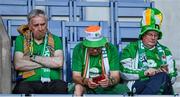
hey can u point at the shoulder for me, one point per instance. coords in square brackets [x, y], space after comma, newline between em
[55, 36]
[78, 46]
[111, 46]
[132, 45]
[165, 48]
[19, 38]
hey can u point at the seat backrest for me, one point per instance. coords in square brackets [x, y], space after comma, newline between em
[127, 31]
[56, 8]
[131, 9]
[15, 7]
[74, 31]
[55, 27]
[80, 7]
[131, 0]
[81, 10]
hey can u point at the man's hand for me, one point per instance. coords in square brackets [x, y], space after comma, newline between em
[105, 82]
[150, 72]
[90, 83]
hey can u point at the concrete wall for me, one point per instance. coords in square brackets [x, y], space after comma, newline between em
[5, 62]
[170, 28]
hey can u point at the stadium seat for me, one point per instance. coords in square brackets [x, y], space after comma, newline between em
[15, 7]
[126, 31]
[80, 12]
[56, 8]
[131, 9]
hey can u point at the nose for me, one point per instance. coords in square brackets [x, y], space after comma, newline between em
[40, 27]
[95, 50]
[154, 36]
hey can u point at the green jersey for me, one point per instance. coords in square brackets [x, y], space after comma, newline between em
[94, 61]
[37, 49]
[133, 70]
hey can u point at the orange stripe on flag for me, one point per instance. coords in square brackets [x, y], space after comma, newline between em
[148, 17]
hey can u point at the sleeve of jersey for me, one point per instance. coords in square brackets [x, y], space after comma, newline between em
[58, 43]
[171, 63]
[113, 59]
[77, 60]
[19, 43]
[130, 70]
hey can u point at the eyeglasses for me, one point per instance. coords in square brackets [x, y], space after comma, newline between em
[155, 35]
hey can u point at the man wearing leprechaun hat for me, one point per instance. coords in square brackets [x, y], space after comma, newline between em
[148, 65]
[95, 65]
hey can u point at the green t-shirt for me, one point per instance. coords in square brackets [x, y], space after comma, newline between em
[55, 73]
[95, 61]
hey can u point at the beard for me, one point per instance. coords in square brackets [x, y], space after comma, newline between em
[39, 36]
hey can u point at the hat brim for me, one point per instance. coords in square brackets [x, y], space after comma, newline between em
[151, 29]
[92, 44]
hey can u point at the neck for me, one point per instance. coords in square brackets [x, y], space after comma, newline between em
[148, 46]
[38, 41]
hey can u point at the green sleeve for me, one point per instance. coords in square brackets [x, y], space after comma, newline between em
[129, 54]
[57, 43]
[113, 57]
[19, 43]
[172, 67]
[77, 58]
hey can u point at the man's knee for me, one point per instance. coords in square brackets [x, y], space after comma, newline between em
[79, 90]
[59, 86]
[162, 76]
[22, 89]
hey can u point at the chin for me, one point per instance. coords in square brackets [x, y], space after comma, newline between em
[95, 54]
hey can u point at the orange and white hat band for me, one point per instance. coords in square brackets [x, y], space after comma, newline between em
[94, 36]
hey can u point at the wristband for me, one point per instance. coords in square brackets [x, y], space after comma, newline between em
[34, 57]
[112, 81]
[83, 81]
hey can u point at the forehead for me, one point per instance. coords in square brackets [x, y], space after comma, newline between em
[38, 19]
[95, 48]
[152, 32]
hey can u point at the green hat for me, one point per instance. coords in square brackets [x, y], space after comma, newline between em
[152, 19]
[94, 37]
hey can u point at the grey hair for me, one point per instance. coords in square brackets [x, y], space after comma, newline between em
[36, 12]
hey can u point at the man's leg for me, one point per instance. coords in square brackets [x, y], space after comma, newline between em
[79, 90]
[117, 89]
[55, 87]
[156, 82]
[139, 86]
[23, 88]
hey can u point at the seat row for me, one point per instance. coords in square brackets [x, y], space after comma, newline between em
[119, 28]
[73, 32]
[78, 10]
